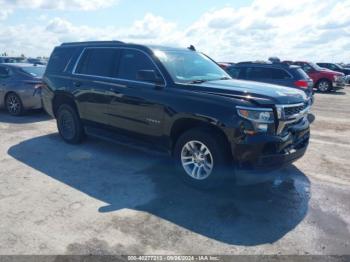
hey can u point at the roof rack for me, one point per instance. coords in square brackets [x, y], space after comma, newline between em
[263, 63]
[93, 42]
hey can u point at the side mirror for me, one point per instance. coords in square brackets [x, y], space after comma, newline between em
[149, 76]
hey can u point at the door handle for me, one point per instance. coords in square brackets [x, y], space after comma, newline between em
[77, 83]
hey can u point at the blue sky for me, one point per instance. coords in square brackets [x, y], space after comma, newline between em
[316, 30]
[125, 12]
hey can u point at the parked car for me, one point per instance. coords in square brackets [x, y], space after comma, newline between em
[324, 80]
[176, 99]
[225, 65]
[273, 73]
[337, 68]
[20, 87]
[11, 59]
[36, 61]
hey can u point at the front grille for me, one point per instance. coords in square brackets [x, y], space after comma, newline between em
[293, 110]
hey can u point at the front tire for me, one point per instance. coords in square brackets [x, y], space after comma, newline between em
[14, 105]
[324, 86]
[69, 124]
[202, 158]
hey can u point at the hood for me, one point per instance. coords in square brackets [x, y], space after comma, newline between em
[260, 93]
[347, 70]
[325, 70]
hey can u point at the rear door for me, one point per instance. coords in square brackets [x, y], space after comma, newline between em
[92, 82]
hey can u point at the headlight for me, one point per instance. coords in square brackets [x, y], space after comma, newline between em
[338, 78]
[259, 115]
[260, 118]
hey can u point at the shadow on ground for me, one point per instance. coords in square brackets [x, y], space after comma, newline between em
[29, 117]
[124, 177]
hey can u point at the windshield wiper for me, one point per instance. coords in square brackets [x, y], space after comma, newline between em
[198, 81]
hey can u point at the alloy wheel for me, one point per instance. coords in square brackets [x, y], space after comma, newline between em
[323, 86]
[13, 104]
[197, 160]
[67, 126]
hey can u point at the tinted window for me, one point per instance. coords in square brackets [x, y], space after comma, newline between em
[98, 62]
[132, 61]
[4, 71]
[60, 59]
[234, 72]
[36, 71]
[333, 67]
[266, 73]
[302, 73]
[305, 67]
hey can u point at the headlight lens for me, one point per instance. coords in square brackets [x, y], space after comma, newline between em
[258, 115]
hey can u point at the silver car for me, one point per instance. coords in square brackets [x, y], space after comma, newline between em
[20, 87]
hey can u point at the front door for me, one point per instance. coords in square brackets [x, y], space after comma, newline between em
[136, 105]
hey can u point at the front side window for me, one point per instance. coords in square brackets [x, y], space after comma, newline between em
[99, 62]
[189, 66]
[133, 61]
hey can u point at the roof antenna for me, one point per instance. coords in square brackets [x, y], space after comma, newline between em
[192, 48]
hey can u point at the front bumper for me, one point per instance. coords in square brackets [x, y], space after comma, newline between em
[267, 152]
[339, 84]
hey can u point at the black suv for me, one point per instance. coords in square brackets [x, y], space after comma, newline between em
[176, 99]
[273, 73]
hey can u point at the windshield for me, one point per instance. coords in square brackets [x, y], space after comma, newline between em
[316, 67]
[35, 71]
[190, 66]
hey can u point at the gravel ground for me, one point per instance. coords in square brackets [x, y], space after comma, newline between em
[102, 198]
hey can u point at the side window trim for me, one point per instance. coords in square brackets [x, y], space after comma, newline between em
[116, 78]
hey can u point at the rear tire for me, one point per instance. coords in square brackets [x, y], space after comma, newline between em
[202, 158]
[14, 105]
[69, 124]
[324, 86]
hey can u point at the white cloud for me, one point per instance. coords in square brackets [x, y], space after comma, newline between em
[58, 4]
[301, 29]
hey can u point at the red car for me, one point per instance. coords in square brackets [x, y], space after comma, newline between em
[325, 80]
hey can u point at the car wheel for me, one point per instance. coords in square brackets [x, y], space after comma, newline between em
[14, 104]
[69, 124]
[202, 158]
[324, 86]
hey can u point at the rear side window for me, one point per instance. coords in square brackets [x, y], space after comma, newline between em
[98, 62]
[35, 71]
[131, 61]
[302, 73]
[60, 59]
[266, 73]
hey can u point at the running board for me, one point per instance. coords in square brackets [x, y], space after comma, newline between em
[124, 140]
